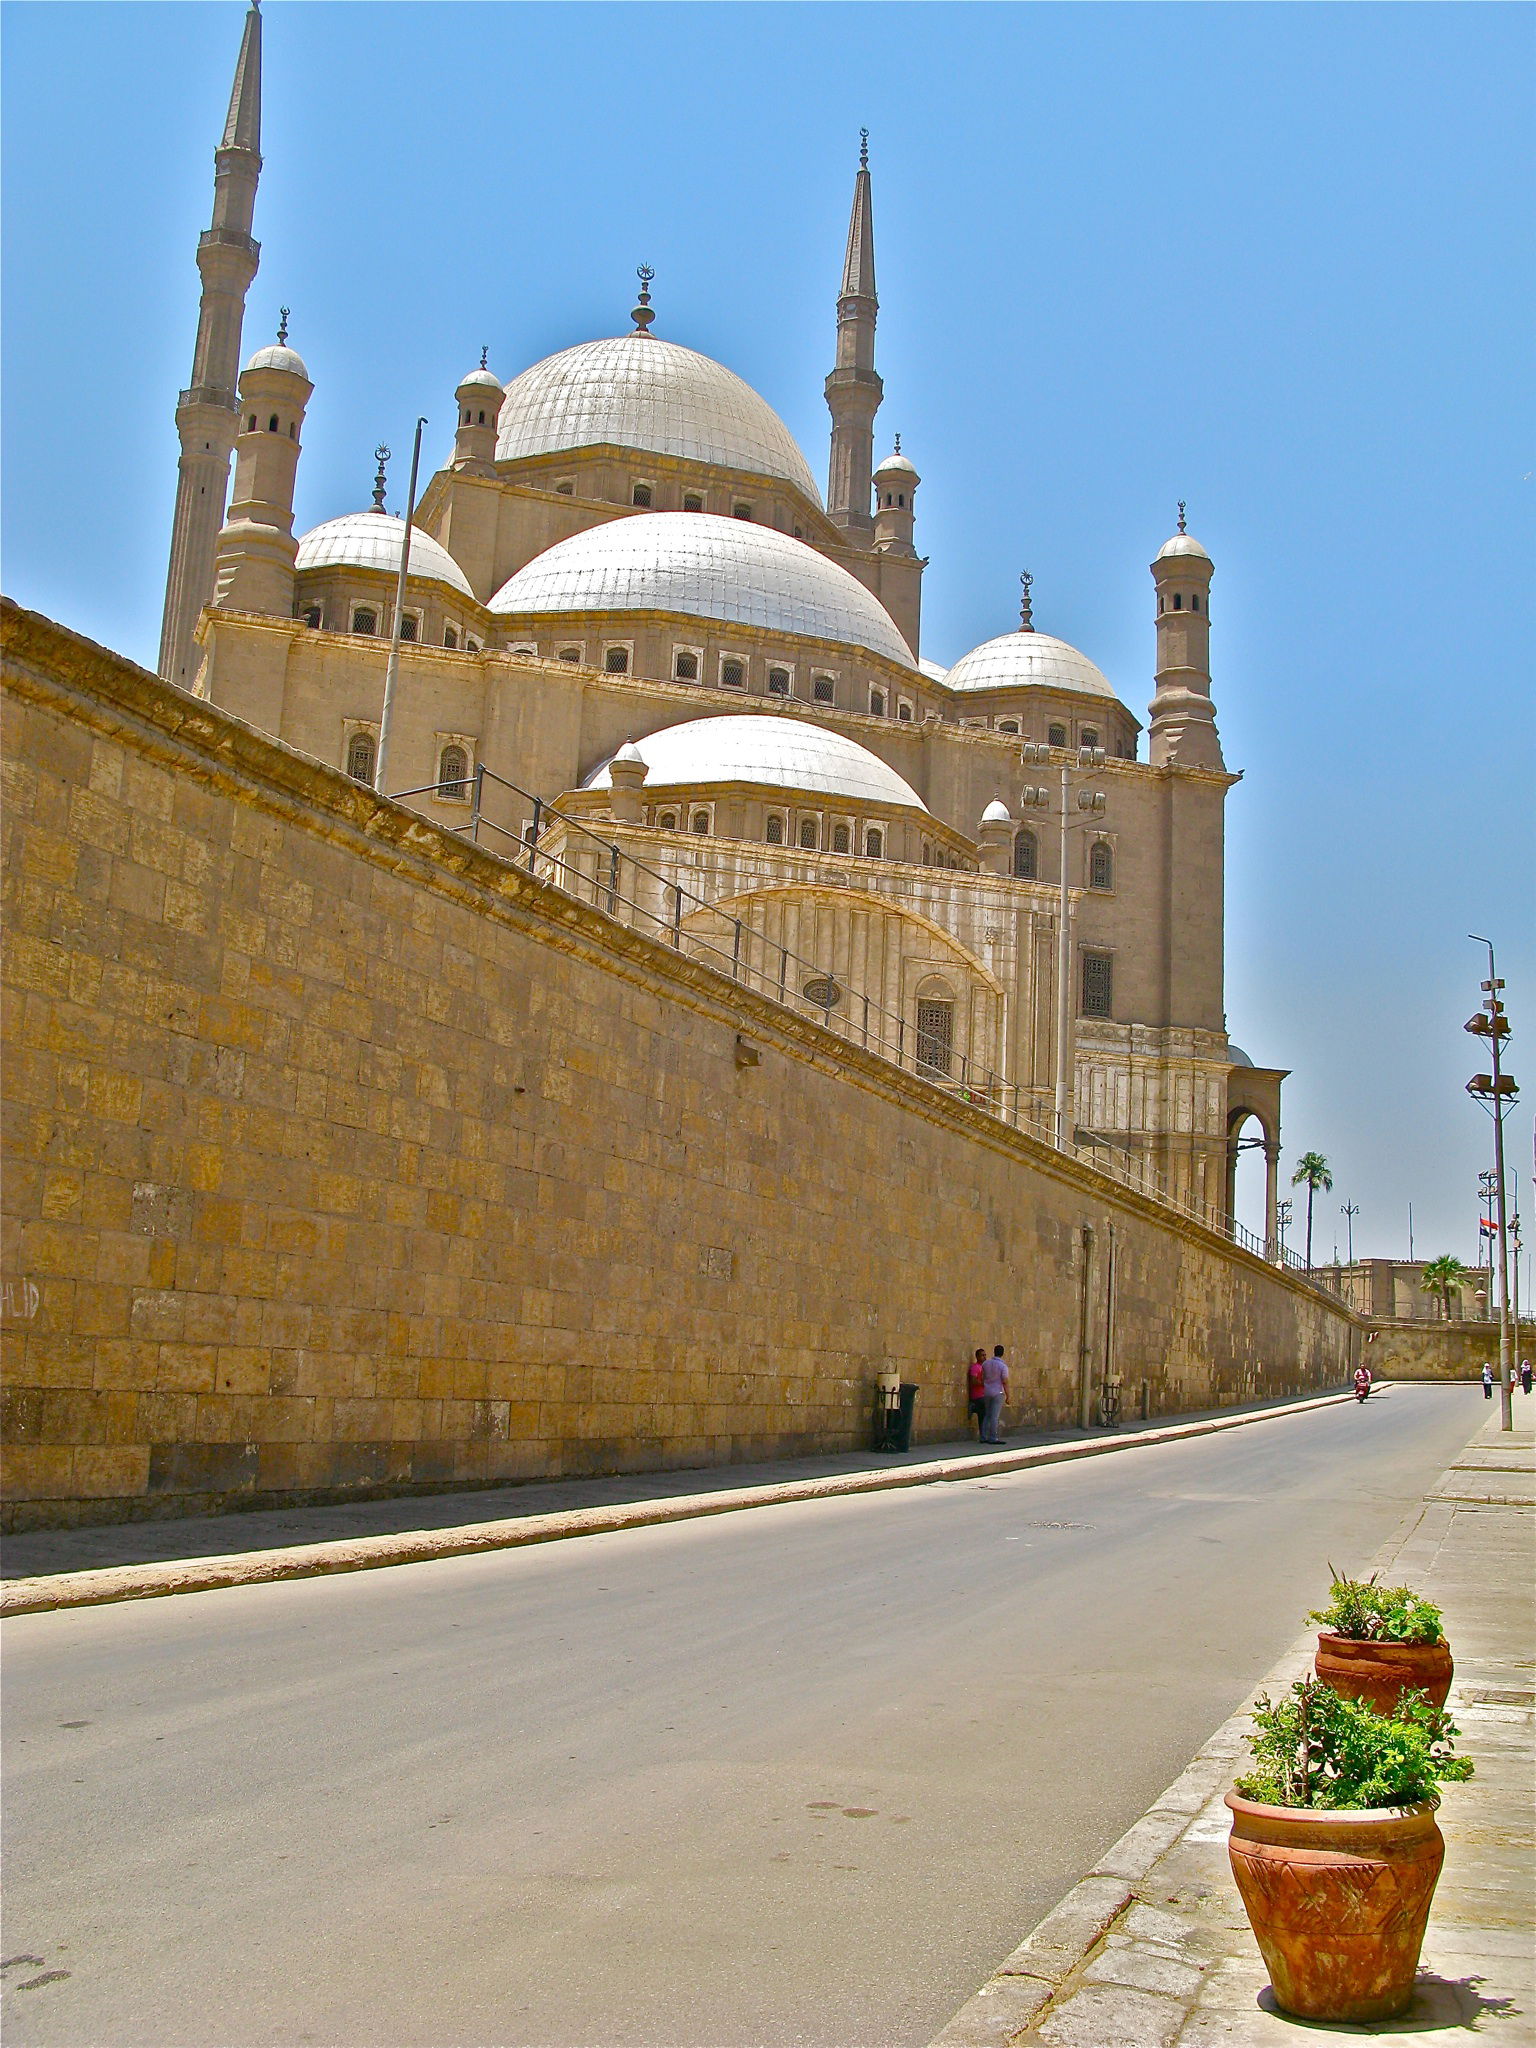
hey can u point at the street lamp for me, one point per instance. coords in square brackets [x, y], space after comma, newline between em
[1349, 1211]
[1283, 1222]
[1496, 1090]
[1092, 803]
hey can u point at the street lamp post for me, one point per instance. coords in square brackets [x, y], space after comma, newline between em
[1349, 1211]
[392, 669]
[1093, 804]
[1496, 1090]
[1283, 1222]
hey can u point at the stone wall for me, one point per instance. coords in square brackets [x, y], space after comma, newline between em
[342, 1157]
[1440, 1351]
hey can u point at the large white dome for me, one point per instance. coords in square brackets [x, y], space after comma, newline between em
[704, 567]
[1032, 661]
[637, 391]
[371, 540]
[770, 751]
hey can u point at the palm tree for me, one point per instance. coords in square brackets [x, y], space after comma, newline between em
[1440, 1276]
[1312, 1169]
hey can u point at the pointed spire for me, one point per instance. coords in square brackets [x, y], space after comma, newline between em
[1026, 609]
[641, 313]
[859, 261]
[380, 456]
[1182, 527]
[242, 127]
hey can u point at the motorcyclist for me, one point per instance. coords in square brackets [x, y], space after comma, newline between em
[1362, 1382]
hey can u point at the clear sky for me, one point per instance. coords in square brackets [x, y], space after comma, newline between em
[1275, 260]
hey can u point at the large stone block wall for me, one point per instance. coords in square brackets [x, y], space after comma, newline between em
[1440, 1351]
[341, 1156]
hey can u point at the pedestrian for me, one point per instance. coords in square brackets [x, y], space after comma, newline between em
[1487, 1381]
[994, 1390]
[975, 1392]
[1525, 1375]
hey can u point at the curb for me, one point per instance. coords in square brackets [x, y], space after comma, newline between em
[425, 1546]
[1025, 1983]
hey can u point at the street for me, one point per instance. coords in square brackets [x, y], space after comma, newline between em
[795, 1776]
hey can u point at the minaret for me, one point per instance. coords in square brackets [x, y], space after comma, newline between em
[479, 400]
[1183, 730]
[207, 415]
[854, 390]
[896, 482]
[254, 561]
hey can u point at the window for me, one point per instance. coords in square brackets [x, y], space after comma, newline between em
[935, 1035]
[874, 843]
[640, 495]
[733, 673]
[565, 488]
[616, 661]
[1178, 601]
[471, 644]
[450, 636]
[741, 511]
[571, 654]
[685, 666]
[1090, 736]
[365, 620]
[313, 616]
[524, 647]
[1026, 856]
[453, 775]
[904, 711]
[840, 839]
[700, 822]
[410, 625]
[823, 689]
[1098, 985]
[1194, 604]
[775, 832]
[1056, 736]
[272, 424]
[778, 682]
[482, 418]
[810, 834]
[293, 430]
[877, 703]
[360, 757]
[251, 424]
[667, 821]
[1101, 866]
[692, 502]
[1008, 725]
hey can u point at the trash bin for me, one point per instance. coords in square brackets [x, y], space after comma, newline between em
[898, 1419]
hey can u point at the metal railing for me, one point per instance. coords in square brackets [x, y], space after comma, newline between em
[556, 849]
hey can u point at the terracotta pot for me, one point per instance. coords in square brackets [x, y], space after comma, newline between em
[1337, 1901]
[1380, 1673]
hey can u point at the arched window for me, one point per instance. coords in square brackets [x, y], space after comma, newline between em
[775, 832]
[640, 495]
[482, 419]
[566, 488]
[616, 661]
[453, 775]
[874, 843]
[700, 821]
[1194, 603]
[1056, 736]
[450, 636]
[823, 689]
[570, 654]
[877, 703]
[1026, 856]
[692, 502]
[1101, 866]
[1178, 601]
[742, 511]
[733, 675]
[293, 430]
[1098, 985]
[685, 666]
[272, 424]
[250, 426]
[365, 620]
[935, 1029]
[1090, 736]
[408, 626]
[809, 834]
[668, 821]
[466, 416]
[1008, 725]
[778, 682]
[840, 839]
[904, 711]
[360, 757]
[313, 616]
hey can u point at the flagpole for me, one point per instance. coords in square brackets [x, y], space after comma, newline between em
[392, 672]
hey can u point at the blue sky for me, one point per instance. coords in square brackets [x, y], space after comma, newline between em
[1270, 259]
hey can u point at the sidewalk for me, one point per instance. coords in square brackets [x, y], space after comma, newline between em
[1152, 1949]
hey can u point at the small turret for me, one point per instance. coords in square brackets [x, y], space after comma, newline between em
[1183, 730]
[256, 547]
[995, 839]
[896, 482]
[474, 442]
[626, 778]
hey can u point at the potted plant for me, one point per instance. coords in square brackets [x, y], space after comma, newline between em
[1335, 1847]
[1380, 1642]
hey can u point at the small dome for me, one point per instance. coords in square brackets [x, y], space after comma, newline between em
[996, 813]
[705, 567]
[640, 392]
[1028, 661]
[773, 753]
[896, 464]
[277, 356]
[1182, 544]
[480, 380]
[935, 671]
[630, 752]
[1237, 1056]
[371, 540]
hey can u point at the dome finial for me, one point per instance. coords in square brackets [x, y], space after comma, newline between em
[381, 456]
[898, 444]
[282, 325]
[642, 314]
[1182, 527]
[485, 355]
[863, 149]
[1026, 609]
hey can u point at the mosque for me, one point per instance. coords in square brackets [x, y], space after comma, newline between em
[640, 652]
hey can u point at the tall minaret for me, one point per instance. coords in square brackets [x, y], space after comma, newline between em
[207, 414]
[1183, 730]
[854, 390]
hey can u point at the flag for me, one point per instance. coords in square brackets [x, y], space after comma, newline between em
[1488, 1229]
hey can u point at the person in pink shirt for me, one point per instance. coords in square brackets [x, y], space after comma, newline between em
[994, 1391]
[974, 1392]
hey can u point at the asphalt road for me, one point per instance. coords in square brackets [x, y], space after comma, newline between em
[797, 1776]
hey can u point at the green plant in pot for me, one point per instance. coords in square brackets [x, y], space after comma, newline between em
[1335, 1847]
[1378, 1643]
